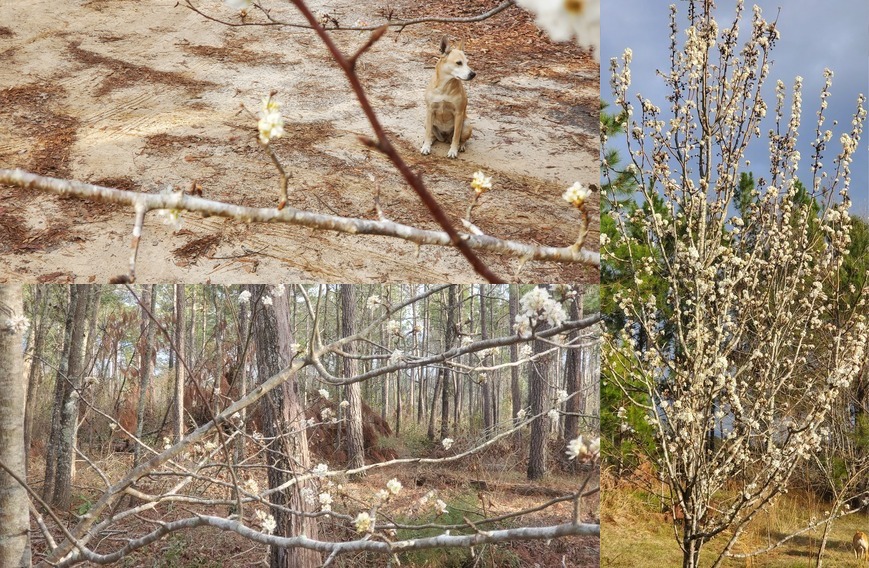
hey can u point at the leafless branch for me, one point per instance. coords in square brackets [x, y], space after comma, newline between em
[400, 24]
[188, 203]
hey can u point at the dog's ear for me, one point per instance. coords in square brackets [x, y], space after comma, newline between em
[461, 45]
[445, 42]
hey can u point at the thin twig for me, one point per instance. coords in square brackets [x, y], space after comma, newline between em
[385, 146]
[400, 24]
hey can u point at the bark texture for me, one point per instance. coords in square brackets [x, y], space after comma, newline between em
[14, 517]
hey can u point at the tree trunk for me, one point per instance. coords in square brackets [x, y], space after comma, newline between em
[242, 354]
[14, 513]
[540, 426]
[41, 303]
[68, 415]
[488, 403]
[283, 423]
[571, 379]
[180, 362]
[60, 380]
[446, 379]
[436, 392]
[353, 392]
[146, 345]
[515, 391]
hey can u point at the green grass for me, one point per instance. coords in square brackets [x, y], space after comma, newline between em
[633, 531]
[458, 508]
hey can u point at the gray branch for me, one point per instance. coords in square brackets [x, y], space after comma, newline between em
[181, 202]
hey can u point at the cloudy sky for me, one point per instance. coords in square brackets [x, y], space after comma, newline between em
[814, 35]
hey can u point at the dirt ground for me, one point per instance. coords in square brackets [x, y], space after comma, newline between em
[484, 484]
[146, 95]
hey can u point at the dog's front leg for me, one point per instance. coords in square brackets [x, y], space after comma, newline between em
[458, 126]
[429, 136]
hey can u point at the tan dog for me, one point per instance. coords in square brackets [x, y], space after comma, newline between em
[861, 545]
[446, 101]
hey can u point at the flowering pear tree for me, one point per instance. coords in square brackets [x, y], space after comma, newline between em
[737, 366]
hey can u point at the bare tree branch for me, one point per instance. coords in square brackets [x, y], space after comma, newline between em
[400, 24]
[182, 202]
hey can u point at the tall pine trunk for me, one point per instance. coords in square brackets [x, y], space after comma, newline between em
[488, 403]
[353, 392]
[446, 378]
[540, 426]
[41, 303]
[571, 378]
[145, 347]
[69, 404]
[14, 517]
[284, 425]
[180, 362]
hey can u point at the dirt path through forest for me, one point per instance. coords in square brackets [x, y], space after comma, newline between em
[146, 95]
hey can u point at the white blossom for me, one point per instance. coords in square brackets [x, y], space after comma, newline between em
[325, 502]
[267, 521]
[396, 357]
[480, 183]
[363, 522]
[576, 194]
[239, 4]
[394, 486]
[320, 470]
[271, 123]
[565, 19]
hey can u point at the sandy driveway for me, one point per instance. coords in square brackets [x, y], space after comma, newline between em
[147, 95]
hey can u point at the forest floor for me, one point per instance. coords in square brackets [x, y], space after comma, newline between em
[492, 483]
[144, 96]
[632, 515]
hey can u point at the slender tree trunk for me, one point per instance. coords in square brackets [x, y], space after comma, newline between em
[540, 426]
[241, 379]
[434, 398]
[180, 361]
[70, 405]
[384, 382]
[417, 338]
[87, 364]
[14, 513]
[446, 378]
[60, 380]
[284, 421]
[146, 345]
[571, 379]
[488, 410]
[515, 390]
[41, 303]
[455, 387]
[353, 392]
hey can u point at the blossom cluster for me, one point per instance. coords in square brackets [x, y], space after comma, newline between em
[565, 19]
[537, 307]
[271, 123]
